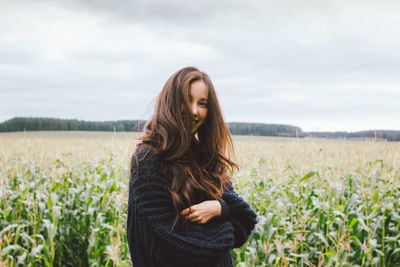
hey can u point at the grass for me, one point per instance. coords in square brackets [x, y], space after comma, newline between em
[63, 198]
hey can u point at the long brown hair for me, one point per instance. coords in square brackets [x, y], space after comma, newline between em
[199, 167]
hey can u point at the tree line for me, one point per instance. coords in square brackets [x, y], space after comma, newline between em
[54, 124]
[380, 135]
[262, 129]
[236, 128]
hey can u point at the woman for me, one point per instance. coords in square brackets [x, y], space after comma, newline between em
[182, 208]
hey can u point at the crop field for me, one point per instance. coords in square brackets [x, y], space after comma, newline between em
[63, 200]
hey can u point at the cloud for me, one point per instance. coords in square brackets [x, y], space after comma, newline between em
[281, 61]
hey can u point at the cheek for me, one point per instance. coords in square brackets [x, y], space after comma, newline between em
[204, 114]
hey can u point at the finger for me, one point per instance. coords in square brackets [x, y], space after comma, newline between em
[195, 216]
[196, 219]
[201, 221]
[192, 216]
[185, 211]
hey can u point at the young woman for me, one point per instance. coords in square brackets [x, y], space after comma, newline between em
[182, 208]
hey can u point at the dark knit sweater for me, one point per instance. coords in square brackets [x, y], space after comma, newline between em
[151, 216]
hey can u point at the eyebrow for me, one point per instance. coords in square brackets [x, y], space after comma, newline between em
[206, 99]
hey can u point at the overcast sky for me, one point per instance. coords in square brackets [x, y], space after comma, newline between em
[317, 64]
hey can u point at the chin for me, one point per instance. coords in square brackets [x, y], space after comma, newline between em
[196, 128]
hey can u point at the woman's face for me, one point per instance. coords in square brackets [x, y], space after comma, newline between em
[198, 107]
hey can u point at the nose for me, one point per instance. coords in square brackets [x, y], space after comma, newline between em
[194, 109]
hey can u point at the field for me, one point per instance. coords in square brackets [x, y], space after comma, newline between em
[63, 200]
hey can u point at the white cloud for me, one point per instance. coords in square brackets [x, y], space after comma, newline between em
[316, 64]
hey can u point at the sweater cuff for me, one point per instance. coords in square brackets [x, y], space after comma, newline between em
[224, 209]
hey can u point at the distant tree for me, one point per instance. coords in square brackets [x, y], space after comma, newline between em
[53, 124]
[236, 128]
[261, 129]
[388, 135]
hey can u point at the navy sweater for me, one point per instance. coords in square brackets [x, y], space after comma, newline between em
[151, 216]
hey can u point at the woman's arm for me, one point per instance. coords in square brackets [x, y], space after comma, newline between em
[203, 212]
[200, 243]
[232, 208]
[239, 213]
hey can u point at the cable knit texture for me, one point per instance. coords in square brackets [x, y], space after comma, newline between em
[151, 216]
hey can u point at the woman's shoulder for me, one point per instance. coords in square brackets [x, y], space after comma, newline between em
[145, 159]
[145, 164]
[144, 151]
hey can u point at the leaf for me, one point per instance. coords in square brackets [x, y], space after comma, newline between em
[11, 247]
[323, 239]
[309, 175]
[21, 259]
[395, 251]
[11, 226]
[36, 250]
[353, 222]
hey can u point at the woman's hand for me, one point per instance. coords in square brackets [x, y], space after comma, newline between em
[203, 212]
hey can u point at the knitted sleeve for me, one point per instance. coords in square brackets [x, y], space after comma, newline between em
[239, 213]
[199, 243]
